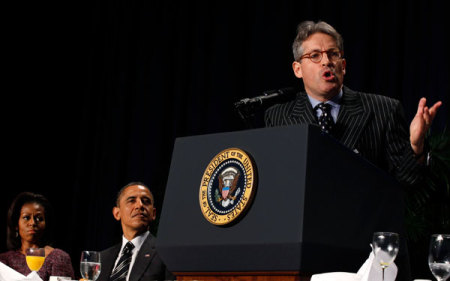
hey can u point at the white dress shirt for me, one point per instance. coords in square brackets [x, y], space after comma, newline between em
[137, 242]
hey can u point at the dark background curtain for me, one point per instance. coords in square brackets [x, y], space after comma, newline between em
[95, 93]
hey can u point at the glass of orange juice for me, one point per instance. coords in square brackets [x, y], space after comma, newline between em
[35, 258]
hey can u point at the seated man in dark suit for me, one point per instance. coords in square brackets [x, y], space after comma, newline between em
[371, 125]
[134, 259]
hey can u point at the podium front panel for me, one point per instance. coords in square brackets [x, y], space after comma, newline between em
[305, 215]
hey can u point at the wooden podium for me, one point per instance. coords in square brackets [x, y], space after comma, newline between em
[243, 276]
[316, 207]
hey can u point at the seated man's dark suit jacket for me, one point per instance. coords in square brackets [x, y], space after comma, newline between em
[147, 266]
[372, 125]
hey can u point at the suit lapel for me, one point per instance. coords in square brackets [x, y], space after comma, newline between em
[108, 260]
[143, 258]
[352, 118]
[302, 112]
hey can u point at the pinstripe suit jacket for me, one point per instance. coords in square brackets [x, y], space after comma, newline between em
[371, 125]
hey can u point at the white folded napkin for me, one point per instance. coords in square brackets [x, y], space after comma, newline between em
[369, 271]
[9, 274]
[336, 276]
[59, 278]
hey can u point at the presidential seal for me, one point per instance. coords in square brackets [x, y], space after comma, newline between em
[227, 186]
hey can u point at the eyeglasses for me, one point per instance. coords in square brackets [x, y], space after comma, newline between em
[316, 56]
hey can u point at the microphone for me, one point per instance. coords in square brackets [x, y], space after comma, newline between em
[266, 96]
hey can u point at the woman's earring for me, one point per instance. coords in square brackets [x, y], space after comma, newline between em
[17, 234]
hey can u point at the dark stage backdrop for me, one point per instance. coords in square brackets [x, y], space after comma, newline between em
[96, 93]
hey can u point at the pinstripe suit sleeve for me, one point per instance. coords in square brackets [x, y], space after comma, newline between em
[401, 157]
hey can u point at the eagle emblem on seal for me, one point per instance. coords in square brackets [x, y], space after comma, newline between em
[227, 192]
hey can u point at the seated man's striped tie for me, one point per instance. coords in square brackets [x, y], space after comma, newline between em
[120, 272]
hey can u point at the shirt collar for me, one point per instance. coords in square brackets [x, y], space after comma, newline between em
[334, 102]
[137, 241]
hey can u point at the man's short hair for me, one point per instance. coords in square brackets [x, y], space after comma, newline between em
[308, 28]
[119, 194]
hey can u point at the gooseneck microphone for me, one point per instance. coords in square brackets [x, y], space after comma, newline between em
[266, 96]
[251, 110]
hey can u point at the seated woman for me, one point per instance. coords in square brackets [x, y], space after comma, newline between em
[29, 225]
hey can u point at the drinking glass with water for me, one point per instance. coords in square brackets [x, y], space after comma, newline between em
[439, 256]
[90, 265]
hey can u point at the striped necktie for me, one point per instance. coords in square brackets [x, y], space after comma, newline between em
[120, 272]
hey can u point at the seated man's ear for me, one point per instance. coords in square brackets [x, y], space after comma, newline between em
[116, 213]
[153, 214]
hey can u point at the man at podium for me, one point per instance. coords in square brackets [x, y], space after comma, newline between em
[371, 125]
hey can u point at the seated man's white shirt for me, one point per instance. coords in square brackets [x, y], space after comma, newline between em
[137, 242]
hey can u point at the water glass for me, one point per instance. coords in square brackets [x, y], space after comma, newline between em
[90, 265]
[439, 256]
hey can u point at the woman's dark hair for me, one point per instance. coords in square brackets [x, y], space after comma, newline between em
[13, 240]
